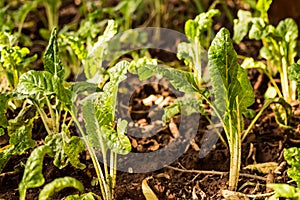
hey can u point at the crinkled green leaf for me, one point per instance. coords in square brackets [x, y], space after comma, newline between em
[292, 156]
[25, 116]
[3, 106]
[241, 25]
[66, 149]
[36, 84]
[57, 185]
[72, 149]
[52, 62]
[117, 141]
[76, 45]
[33, 176]
[258, 29]
[87, 196]
[181, 80]
[21, 139]
[184, 107]
[288, 29]
[56, 143]
[229, 79]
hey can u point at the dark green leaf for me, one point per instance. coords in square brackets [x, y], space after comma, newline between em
[57, 185]
[21, 139]
[3, 106]
[292, 156]
[87, 196]
[184, 107]
[56, 143]
[33, 176]
[37, 84]
[72, 149]
[52, 62]
[181, 80]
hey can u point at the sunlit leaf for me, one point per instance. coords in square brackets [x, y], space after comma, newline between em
[57, 185]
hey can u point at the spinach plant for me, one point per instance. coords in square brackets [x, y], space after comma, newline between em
[292, 156]
[231, 88]
[47, 92]
[232, 92]
[13, 59]
[198, 32]
[279, 44]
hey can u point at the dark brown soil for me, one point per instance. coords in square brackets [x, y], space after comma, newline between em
[265, 143]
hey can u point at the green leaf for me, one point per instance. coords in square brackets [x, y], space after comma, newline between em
[259, 29]
[99, 114]
[93, 63]
[76, 45]
[33, 176]
[294, 74]
[223, 68]
[241, 25]
[72, 149]
[2, 132]
[292, 156]
[37, 84]
[185, 52]
[66, 149]
[190, 29]
[56, 143]
[87, 196]
[21, 139]
[91, 123]
[3, 106]
[57, 185]
[184, 107]
[263, 6]
[284, 190]
[115, 140]
[233, 94]
[181, 80]
[52, 62]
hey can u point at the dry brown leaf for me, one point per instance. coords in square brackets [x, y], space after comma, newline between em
[147, 191]
[264, 168]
